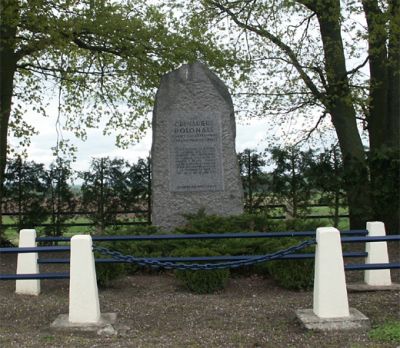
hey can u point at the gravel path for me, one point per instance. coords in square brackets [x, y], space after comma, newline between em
[155, 311]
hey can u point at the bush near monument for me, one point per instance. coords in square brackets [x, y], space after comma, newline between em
[290, 274]
[202, 281]
[107, 273]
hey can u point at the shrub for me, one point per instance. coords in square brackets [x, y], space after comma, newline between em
[290, 274]
[107, 273]
[201, 223]
[202, 281]
[295, 274]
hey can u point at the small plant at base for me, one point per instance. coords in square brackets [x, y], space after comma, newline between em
[388, 332]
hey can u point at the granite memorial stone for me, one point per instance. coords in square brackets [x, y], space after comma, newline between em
[194, 164]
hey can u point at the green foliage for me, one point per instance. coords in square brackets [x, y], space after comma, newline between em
[326, 173]
[201, 223]
[388, 332]
[47, 196]
[107, 273]
[304, 224]
[141, 248]
[25, 191]
[305, 68]
[385, 167]
[138, 183]
[101, 189]
[107, 57]
[112, 185]
[255, 182]
[293, 274]
[201, 281]
[60, 197]
[104, 57]
[290, 182]
[290, 274]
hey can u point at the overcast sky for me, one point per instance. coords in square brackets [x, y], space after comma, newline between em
[248, 135]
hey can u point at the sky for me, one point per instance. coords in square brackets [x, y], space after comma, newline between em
[249, 134]
[254, 134]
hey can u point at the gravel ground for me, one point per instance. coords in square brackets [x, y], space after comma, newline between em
[155, 311]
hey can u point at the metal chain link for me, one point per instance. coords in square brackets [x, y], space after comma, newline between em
[116, 255]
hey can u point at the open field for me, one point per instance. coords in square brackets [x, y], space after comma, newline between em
[11, 232]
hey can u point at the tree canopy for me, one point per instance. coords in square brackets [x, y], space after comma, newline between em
[337, 62]
[101, 58]
[311, 58]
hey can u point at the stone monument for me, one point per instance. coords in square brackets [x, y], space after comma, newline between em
[194, 163]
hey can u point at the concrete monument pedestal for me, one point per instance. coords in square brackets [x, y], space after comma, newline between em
[106, 322]
[356, 320]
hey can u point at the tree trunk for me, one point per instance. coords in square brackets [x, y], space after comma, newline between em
[384, 111]
[8, 62]
[337, 190]
[6, 87]
[341, 109]
[394, 75]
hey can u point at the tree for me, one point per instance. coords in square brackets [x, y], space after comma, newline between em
[138, 180]
[308, 52]
[326, 176]
[290, 181]
[253, 179]
[25, 192]
[103, 58]
[60, 200]
[103, 190]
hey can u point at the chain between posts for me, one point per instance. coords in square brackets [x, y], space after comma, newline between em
[116, 255]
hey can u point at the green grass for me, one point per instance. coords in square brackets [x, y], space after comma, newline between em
[388, 332]
[11, 233]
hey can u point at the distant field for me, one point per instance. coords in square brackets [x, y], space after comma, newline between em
[11, 233]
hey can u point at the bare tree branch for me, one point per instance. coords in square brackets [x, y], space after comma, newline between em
[285, 48]
[40, 68]
[313, 129]
[358, 67]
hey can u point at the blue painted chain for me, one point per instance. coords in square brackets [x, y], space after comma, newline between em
[116, 255]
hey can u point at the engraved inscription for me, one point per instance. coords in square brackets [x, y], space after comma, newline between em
[200, 160]
[195, 153]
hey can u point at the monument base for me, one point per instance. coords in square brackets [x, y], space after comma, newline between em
[103, 326]
[359, 287]
[310, 321]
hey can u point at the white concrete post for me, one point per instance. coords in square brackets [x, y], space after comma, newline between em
[330, 293]
[27, 264]
[84, 306]
[377, 253]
